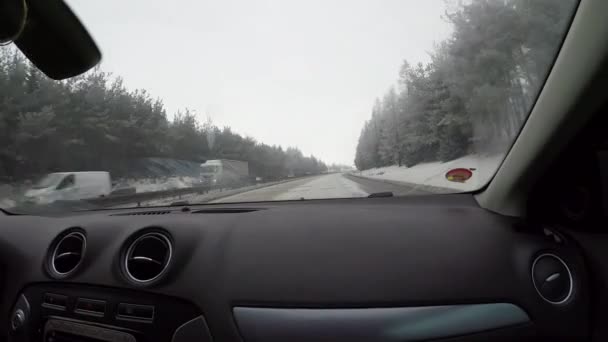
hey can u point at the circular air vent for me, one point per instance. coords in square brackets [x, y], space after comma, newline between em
[67, 254]
[552, 278]
[148, 257]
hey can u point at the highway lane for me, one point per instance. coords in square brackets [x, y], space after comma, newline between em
[314, 187]
[334, 185]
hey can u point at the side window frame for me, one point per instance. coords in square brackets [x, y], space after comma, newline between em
[67, 182]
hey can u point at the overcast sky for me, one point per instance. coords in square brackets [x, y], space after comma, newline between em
[292, 73]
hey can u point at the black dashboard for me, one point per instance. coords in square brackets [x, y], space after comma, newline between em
[381, 269]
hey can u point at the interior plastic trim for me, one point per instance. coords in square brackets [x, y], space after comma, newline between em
[374, 324]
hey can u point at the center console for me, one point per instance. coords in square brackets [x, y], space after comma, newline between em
[69, 313]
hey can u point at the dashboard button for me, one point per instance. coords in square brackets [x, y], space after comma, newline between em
[135, 311]
[91, 307]
[55, 301]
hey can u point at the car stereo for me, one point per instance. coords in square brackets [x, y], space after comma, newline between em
[61, 330]
[59, 312]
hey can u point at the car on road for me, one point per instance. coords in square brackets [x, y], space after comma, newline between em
[69, 186]
[224, 172]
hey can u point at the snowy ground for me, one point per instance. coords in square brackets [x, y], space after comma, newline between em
[11, 193]
[279, 190]
[160, 184]
[213, 195]
[7, 202]
[433, 174]
[401, 181]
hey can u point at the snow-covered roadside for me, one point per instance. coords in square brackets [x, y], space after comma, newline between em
[433, 174]
[7, 203]
[156, 184]
[11, 193]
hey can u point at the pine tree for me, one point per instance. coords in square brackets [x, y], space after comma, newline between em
[477, 90]
[92, 122]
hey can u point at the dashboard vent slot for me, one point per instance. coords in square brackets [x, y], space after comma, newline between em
[67, 254]
[151, 212]
[552, 278]
[148, 257]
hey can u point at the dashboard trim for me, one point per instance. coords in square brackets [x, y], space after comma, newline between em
[377, 324]
[401, 252]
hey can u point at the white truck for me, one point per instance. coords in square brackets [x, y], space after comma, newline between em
[224, 172]
[70, 186]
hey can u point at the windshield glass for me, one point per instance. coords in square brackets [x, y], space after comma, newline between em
[209, 168]
[47, 181]
[297, 99]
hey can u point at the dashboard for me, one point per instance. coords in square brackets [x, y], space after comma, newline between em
[382, 269]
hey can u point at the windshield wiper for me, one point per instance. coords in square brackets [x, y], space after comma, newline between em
[380, 194]
[6, 212]
[179, 203]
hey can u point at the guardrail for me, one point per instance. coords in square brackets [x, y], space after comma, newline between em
[139, 197]
[118, 199]
[108, 201]
[122, 198]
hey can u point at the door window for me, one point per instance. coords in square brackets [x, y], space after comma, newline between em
[67, 182]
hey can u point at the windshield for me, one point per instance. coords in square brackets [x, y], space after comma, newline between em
[47, 181]
[297, 99]
[209, 168]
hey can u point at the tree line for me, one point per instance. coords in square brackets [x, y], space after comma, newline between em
[475, 93]
[93, 122]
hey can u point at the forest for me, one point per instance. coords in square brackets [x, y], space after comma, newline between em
[477, 90]
[93, 122]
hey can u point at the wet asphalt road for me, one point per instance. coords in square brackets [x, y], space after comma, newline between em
[334, 185]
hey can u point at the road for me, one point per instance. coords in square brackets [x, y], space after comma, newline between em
[334, 185]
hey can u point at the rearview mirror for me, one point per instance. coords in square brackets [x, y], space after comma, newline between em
[51, 36]
[13, 15]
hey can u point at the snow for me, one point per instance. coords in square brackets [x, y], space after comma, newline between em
[10, 193]
[160, 184]
[328, 186]
[7, 203]
[210, 196]
[433, 174]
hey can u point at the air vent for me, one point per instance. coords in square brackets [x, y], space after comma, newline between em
[151, 212]
[148, 257]
[67, 254]
[552, 278]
